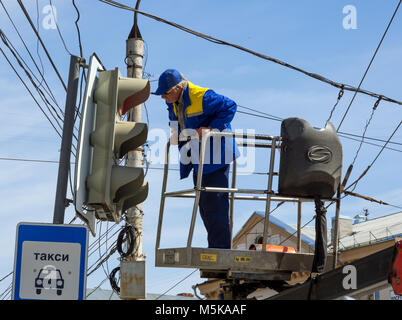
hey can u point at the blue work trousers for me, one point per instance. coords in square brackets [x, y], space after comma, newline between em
[214, 208]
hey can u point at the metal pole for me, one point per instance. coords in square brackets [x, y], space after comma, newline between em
[65, 152]
[268, 203]
[134, 265]
[232, 198]
[299, 217]
[198, 187]
[163, 197]
[135, 54]
[336, 231]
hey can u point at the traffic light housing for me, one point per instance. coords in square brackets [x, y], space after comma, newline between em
[111, 188]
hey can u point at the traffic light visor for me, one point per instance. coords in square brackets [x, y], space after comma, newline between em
[132, 92]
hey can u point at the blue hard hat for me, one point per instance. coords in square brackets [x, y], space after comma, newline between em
[167, 80]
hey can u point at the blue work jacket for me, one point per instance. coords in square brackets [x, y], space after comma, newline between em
[204, 108]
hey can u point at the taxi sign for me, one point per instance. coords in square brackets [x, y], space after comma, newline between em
[50, 262]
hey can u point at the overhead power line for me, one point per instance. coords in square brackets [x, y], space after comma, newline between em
[43, 45]
[389, 139]
[6, 276]
[368, 67]
[48, 90]
[346, 135]
[58, 29]
[29, 160]
[78, 28]
[365, 129]
[354, 184]
[176, 284]
[369, 143]
[53, 112]
[260, 55]
[29, 91]
[56, 116]
[31, 75]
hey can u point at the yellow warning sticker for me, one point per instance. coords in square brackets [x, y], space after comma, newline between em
[207, 257]
[242, 259]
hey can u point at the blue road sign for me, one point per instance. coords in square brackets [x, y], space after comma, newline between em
[50, 262]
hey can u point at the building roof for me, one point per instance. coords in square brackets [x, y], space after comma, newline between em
[291, 230]
[373, 231]
[363, 233]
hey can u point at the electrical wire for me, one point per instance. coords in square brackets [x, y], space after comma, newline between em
[53, 112]
[389, 139]
[47, 89]
[374, 139]
[6, 276]
[97, 287]
[311, 220]
[137, 5]
[77, 114]
[37, 43]
[43, 45]
[148, 168]
[176, 284]
[42, 95]
[338, 85]
[260, 55]
[342, 86]
[261, 112]
[113, 281]
[102, 259]
[29, 160]
[96, 241]
[340, 95]
[92, 249]
[92, 269]
[247, 231]
[340, 133]
[9, 288]
[58, 29]
[6, 292]
[29, 91]
[30, 73]
[368, 67]
[369, 143]
[106, 245]
[126, 235]
[276, 118]
[354, 184]
[195, 270]
[78, 28]
[99, 247]
[365, 130]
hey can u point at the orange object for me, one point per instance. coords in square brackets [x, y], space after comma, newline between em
[273, 248]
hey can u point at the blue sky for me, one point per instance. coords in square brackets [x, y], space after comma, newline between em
[308, 34]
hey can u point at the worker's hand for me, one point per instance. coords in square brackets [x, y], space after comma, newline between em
[174, 137]
[202, 131]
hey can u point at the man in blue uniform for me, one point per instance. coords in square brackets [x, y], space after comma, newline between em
[195, 109]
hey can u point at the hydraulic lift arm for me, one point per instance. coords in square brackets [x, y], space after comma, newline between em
[385, 265]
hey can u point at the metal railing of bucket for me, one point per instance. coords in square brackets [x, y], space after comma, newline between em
[266, 195]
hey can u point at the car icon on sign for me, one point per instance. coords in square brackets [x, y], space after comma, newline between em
[49, 277]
